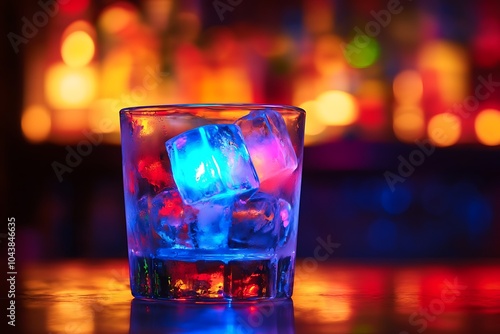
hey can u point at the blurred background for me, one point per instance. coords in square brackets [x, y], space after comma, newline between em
[402, 156]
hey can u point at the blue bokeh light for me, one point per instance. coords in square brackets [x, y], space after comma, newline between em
[397, 201]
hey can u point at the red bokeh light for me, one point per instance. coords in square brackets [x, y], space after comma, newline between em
[75, 6]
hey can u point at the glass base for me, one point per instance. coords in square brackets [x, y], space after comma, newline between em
[206, 277]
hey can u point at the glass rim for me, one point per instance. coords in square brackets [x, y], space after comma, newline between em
[216, 107]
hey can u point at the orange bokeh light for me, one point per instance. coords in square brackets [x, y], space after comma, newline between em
[487, 126]
[36, 123]
[450, 64]
[444, 129]
[117, 17]
[408, 87]
[408, 123]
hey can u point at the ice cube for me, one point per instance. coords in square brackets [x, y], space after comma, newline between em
[254, 222]
[249, 279]
[139, 232]
[211, 228]
[154, 172]
[172, 220]
[268, 143]
[191, 279]
[211, 162]
[284, 221]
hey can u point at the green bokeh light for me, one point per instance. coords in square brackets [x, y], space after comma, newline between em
[362, 51]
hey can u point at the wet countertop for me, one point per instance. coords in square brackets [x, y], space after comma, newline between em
[81, 296]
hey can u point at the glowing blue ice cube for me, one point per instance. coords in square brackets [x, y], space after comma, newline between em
[211, 162]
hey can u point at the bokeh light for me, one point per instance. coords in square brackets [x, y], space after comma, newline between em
[443, 56]
[74, 6]
[487, 126]
[79, 25]
[227, 84]
[479, 215]
[69, 87]
[117, 17]
[444, 129]
[362, 51]
[408, 123]
[327, 55]
[116, 70]
[336, 107]
[408, 87]
[159, 12]
[449, 65]
[36, 123]
[102, 116]
[313, 125]
[77, 49]
[396, 201]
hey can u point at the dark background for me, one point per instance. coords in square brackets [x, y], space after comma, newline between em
[447, 208]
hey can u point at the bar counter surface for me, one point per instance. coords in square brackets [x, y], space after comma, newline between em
[329, 297]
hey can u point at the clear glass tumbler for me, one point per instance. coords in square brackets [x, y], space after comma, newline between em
[212, 197]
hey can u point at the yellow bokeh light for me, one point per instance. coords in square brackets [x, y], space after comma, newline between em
[408, 123]
[116, 70]
[36, 123]
[408, 87]
[70, 87]
[444, 129]
[487, 126]
[117, 17]
[77, 49]
[314, 126]
[337, 108]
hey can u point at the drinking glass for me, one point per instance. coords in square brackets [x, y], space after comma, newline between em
[212, 197]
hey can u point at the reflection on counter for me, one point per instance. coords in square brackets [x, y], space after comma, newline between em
[91, 297]
[174, 317]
